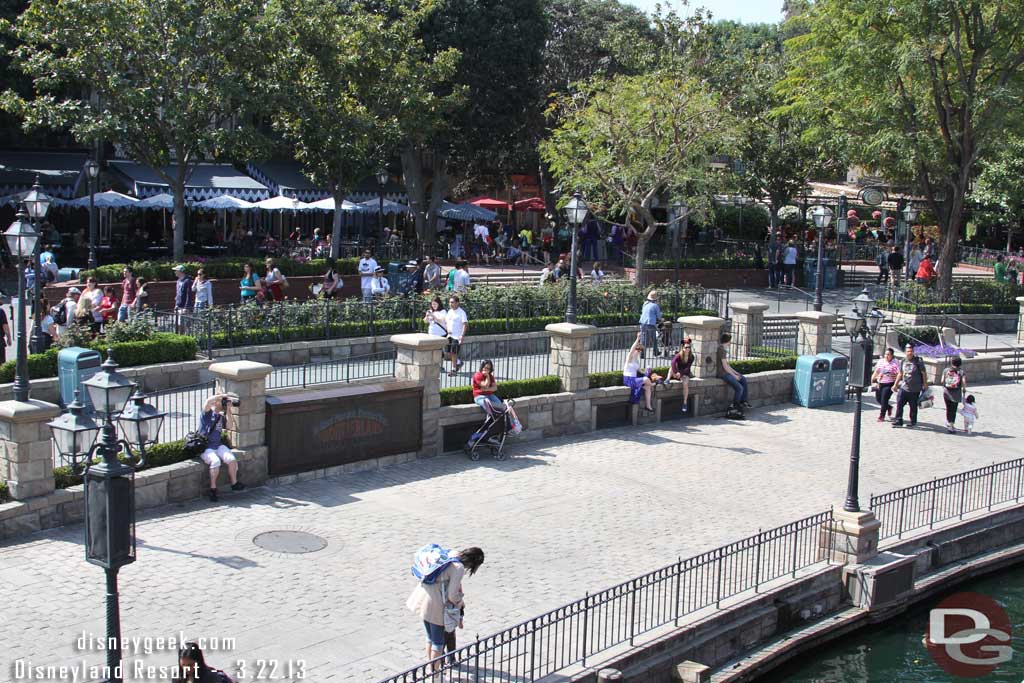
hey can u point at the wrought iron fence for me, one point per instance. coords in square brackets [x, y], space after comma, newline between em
[773, 338]
[183, 406]
[571, 633]
[523, 358]
[345, 370]
[925, 505]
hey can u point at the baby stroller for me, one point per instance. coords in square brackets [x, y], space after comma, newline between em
[498, 424]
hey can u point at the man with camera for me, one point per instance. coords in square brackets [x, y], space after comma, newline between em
[211, 424]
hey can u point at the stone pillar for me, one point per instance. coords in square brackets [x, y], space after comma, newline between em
[418, 359]
[851, 537]
[704, 331]
[815, 333]
[692, 672]
[570, 359]
[747, 327]
[26, 458]
[246, 427]
[1020, 320]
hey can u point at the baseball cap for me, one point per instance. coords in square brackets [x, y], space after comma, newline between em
[413, 263]
[74, 290]
[178, 268]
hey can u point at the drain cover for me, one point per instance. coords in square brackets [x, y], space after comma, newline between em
[297, 542]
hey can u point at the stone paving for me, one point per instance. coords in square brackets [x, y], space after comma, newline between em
[558, 518]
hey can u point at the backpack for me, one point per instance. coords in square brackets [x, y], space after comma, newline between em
[952, 379]
[60, 313]
[429, 561]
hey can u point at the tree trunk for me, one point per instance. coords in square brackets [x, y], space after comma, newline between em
[412, 168]
[643, 212]
[550, 208]
[339, 197]
[950, 238]
[178, 222]
[438, 190]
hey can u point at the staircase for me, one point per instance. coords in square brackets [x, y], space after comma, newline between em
[1013, 363]
[859, 278]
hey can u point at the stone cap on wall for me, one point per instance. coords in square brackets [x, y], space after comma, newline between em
[1020, 300]
[571, 330]
[241, 370]
[419, 341]
[816, 317]
[28, 411]
[749, 307]
[705, 321]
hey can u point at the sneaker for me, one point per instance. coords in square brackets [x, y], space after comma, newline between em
[912, 424]
[897, 423]
[458, 365]
[880, 419]
[745, 404]
[685, 409]
[888, 411]
[213, 495]
[237, 486]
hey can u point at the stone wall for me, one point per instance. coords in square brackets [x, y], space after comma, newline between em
[992, 323]
[149, 377]
[981, 368]
[721, 278]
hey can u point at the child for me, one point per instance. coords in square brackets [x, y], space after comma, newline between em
[970, 413]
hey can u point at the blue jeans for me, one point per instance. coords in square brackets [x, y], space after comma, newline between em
[435, 635]
[122, 313]
[492, 398]
[739, 387]
[589, 249]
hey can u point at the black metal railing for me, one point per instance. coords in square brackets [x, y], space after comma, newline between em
[581, 629]
[923, 506]
[513, 359]
[778, 337]
[348, 369]
[183, 406]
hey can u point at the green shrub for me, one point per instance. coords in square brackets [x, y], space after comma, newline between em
[5, 493]
[40, 365]
[928, 335]
[216, 268]
[707, 263]
[752, 366]
[158, 455]
[64, 476]
[139, 328]
[549, 384]
[74, 335]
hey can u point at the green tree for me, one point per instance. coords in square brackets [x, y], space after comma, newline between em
[165, 79]
[999, 192]
[921, 89]
[348, 80]
[629, 140]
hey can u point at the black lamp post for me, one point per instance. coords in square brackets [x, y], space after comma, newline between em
[109, 483]
[909, 216]
[822, 219]
[512, 211]
[861, 324]
[92, 170]
[37, 204]
[21, 239]
[576, 213]
[382, 179]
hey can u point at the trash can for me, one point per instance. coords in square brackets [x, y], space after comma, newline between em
[810, 383]
[65, 274]
[838, 376]
[831, 280]
[74, 366]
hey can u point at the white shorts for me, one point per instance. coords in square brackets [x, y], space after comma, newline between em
[214, 458]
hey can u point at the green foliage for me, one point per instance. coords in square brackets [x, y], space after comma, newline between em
[999, 191]
[75, 335]
[215, 268]
[157, 455]
[722, 262]
[549, 384]
[917, 335]
[752, 366]
[64, 477]
[138, 328]
[5, 492]
[930, 309]
[161, 348]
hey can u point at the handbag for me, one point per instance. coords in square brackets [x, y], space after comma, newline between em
[452, 613]
[927, 399]
[195, 443]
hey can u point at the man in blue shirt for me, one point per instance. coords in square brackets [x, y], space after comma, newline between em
[650, 314]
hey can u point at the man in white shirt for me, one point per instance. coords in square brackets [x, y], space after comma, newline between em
[461, 281]
[545, 275]
[367, 268]
[456, 322]
[69, 305]
[481, 231]
[379, 285]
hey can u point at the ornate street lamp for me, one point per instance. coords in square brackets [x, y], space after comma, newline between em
[382, 179]
[822, 220]
[515, 198]
[92, 170]
[37, 204]
[140, 423]
[21, 239]
[109, 483]
[575, 212]
[861, 324]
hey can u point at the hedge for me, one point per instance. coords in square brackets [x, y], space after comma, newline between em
[928, 335]
[706, 263]
[951, 308]
[164, 347]
[5, 493]
[549, 384]
[217, 268]
[157, 455]
[747, 366]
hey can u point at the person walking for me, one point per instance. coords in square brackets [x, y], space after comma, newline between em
[882, 261]
[461, 282]
[774, 257]
[275, 282]
[182, 290]
[910, 382]
[250, 285]
[789, 263]
[895, 261]
[129, 290]
[883, 378]
[456, 323]
[367, 268]
[432, 275]
[436, 319]
[954, 385]
[650, 315]
[444, 591]
[203, 291]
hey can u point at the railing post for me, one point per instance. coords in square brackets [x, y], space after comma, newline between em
[679, 580]
[757, 561]
[991, 484]
[931, 511]
[632, 612]
[533, 648]
[963, 490]
[718, 582]
[796, 547]
[586, 619]
[903, 505]
[373, 327]
[304, 366]
[1016, 488]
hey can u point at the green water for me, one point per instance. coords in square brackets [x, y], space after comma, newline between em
[893, 651]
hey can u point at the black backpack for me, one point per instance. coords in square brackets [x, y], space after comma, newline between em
[60, 313]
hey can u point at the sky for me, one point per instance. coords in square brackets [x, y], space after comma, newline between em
[747, 11]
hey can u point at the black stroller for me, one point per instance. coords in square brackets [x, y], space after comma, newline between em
[498, 424]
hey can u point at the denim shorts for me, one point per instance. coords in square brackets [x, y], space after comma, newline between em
[435, 635]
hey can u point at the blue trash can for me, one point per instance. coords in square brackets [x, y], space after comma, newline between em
[74, 366]
[810, 382]
[838, 376]
[65, 274]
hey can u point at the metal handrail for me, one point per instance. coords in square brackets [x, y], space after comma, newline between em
[808, 297]
[961, 322]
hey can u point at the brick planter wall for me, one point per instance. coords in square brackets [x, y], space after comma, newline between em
[722, 278]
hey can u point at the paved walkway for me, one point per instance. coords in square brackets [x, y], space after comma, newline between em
[560, 517]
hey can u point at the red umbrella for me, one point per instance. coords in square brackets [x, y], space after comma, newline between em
[531, 204]
[489, 203]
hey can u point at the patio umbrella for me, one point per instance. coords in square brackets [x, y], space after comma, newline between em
[328, 205]
[535, 204]
[390, 207]
[281, 204]
[158, 201]
[105, 200]
[224, 203]
[465, 212]
[489, 203]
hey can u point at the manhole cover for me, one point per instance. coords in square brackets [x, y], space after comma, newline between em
[297, 542]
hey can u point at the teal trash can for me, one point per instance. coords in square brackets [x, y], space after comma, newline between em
[838, 377]
[810, 382]
[74, 366]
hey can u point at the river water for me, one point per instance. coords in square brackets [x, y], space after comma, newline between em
[893, 652]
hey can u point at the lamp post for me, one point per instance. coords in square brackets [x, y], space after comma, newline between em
[822, 219]
[515, 198]
[92, 170]
[109, 484]
[382, 179]
[861, 324]
[576, 213]
[37, 204]
[909, 216]
[21, 240]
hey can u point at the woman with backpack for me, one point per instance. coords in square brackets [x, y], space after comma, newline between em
[954, 383]
[441, 590]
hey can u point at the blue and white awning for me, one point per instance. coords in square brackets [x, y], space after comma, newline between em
[105, 200]
[205, 182]
[158, 201]
[390, 207]
[60, 173]
[225, 202]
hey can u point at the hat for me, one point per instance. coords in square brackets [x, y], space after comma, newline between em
[74, 290]
[413, 264]
[178, 269]
[379, 270]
